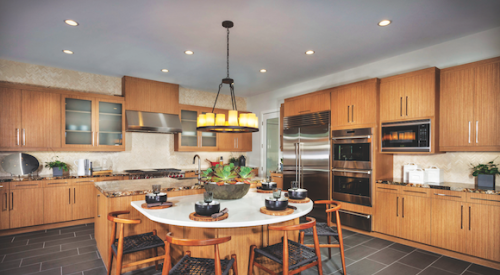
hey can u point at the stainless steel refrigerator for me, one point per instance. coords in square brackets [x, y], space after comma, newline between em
[306, 156]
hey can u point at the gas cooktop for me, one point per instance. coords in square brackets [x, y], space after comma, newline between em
[155, 173]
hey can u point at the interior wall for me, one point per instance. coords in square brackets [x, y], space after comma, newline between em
[143, 150]
[463, 50]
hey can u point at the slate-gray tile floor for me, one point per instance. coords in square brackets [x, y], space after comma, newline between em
[72, 250]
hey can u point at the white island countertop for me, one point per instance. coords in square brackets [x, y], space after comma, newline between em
[244, 212]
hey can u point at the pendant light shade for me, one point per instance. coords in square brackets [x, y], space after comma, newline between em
[209, 122]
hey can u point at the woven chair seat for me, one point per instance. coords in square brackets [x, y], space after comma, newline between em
[199, 266]
[139, 242]
[298, 255]
[323, 230]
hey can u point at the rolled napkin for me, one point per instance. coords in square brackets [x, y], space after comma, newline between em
[286, 195]
[160, 204]
[292, 207]
[220, 214]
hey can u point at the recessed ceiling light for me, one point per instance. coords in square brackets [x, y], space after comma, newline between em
[263, 70]
[67, 52]
[189, 52]
[309, 52]
[71, 22]
[164, 70]
[384, 23]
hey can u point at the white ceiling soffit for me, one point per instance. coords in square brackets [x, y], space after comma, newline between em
[139, 38]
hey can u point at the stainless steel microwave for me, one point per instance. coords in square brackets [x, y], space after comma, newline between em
[406, 136]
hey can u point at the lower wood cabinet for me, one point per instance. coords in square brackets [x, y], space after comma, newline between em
[448, 227]
[57, 204]
[4, 201]
[387, 213]
[83, 201]
[26, 206]
[483, 238]
[415, 219]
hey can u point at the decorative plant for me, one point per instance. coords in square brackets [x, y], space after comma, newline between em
[57, 164]
[208, 174]
[224, 173]
[245, 174]
[489, 168]
[233, 160]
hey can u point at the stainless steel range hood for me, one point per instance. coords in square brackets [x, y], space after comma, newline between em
[147, 122]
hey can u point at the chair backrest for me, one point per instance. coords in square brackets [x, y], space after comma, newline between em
[331, 206]
[113, 216]
[311, 222]
[194, 242]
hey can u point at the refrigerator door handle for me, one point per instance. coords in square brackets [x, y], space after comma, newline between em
[300, 166]
[296, 161]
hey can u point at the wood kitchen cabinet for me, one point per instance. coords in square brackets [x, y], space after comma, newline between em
[387, 211]
[240, 142]
[309, 103]
[150, 96]
[83, 201]
[278, 178]
[25, 204]
[57, 202]
[4, 201]
[10, 118]
[409, 96]
[355, 103]
[470, 107]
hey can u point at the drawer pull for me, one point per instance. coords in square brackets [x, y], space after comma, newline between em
[6, 202]
[85, 181]
[97, 208]
[484, 199]
[12, 201]
[304, 111]
[444, 195]
[1, 186]
[387, 188]
[420, 192]
[277, 176]
[51, 183]
[22, 185]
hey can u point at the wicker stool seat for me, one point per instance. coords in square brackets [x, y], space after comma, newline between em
[139, 242]
[323, 230]
[199, 266]
[298, 256]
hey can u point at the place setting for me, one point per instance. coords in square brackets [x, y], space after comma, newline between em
[267, 187]
[157, 199]
[208, 210]
[296, 194]
[277, 205]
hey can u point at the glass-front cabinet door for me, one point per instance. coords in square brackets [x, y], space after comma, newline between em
[78, 122]
[110, 124]
[190, 139]
[189, 135]
[208, 139]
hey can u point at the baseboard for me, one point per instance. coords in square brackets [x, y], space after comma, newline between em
[43, 227]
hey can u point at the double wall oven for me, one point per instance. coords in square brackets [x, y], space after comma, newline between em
[352, 173]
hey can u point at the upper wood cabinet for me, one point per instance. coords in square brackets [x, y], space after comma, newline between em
[355, 104]
[309, 103]
[409, 96]
[29, 120]
[150, 96]
[470, 107]
[240, 142]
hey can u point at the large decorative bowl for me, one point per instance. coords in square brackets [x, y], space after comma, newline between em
[228, 191]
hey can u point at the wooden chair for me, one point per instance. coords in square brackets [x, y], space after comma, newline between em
[191, 265]
[293, 256]
[325, 229]
[125, 245]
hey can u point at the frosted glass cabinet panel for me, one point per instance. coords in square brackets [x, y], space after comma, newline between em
[191, 140]
[189, 135]
[110, 124]
[78, 122]
[208, 139]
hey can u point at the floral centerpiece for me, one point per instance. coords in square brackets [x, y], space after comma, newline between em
[227, 182]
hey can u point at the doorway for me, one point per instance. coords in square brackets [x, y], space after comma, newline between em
[270, 143]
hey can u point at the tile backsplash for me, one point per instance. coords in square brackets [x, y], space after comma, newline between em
[455, 166]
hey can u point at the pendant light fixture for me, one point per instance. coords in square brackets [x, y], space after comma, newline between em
[211, 122]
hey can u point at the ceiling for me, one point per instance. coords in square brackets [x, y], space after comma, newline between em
[139, 38]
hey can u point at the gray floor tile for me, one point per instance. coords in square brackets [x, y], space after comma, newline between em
[334, 264]
[468, 273]
[10, 265]
[6, 239]
[403, 248]
[418, 259]
[66, 241]
[85, 232]
[359, 252]
[398, 269]
[364, 267]
[16, 249]
[55, 271]
[435, 271]
[483, 270]
[87, 249]
[82, 266]
[78, 244]
[151, 271]
[98, 271]
[31, 253]
[347, 233]
[14, 244]
[22, 270]
[51, 238]
[50, 257]
[452, 265]
[37, 234]
[377, 243]
[387, 256]
[77, 228]
[428, 252]
[69, 261]
[356, 239]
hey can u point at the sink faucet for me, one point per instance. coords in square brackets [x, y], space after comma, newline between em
[199, 167]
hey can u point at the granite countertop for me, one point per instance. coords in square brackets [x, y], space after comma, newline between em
[453, 186]
[50, 177]
[120, 188]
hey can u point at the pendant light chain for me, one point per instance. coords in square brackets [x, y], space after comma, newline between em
[227, 52]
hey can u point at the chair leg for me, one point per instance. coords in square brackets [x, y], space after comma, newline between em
[342, 255]
[301, 237]
[110, 261]
[235, 264]
[156, 255]
[252, 258]
[329, 248]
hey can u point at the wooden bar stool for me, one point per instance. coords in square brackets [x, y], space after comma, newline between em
[293, 256]
[191, 265]
[125, 245]
[325, 229]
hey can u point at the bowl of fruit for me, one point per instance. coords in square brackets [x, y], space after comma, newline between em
[228, 182]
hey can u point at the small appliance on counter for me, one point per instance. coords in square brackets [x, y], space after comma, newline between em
[406, 170]
[416, 176]
[19, 164]
[433, 175]
[84, 167]
[242, 161]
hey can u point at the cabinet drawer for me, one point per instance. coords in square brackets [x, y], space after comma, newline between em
[482, 199]
[277, 175]
[4, 186]
[85, 181]
[25, 185]
[56, 183]
[387, 188]
[448, 195]
[415, 191]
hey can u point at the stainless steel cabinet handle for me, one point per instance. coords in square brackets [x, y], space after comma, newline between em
[304, 111]
[237, 142]
[348, 113]
[352, 113]
[24, 136]
[21, 185]
[401, 106]
[97, 137]
[6, 202]
[397, 206]
[11, 201]
[403, 207]
[355, 214]
[74, 195]
[483, 199]
[477, 130]
[469, 217]
[469, 131]
[409, 191]
[277, 176]
[406, 105]
[352, 171]
[51, 183]
[69, 196]
[444, 195]
[17, 135]
[461, 217]
[351, 137]
[92, 133]
[97, 208]
[387, 188]
[85, 181]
